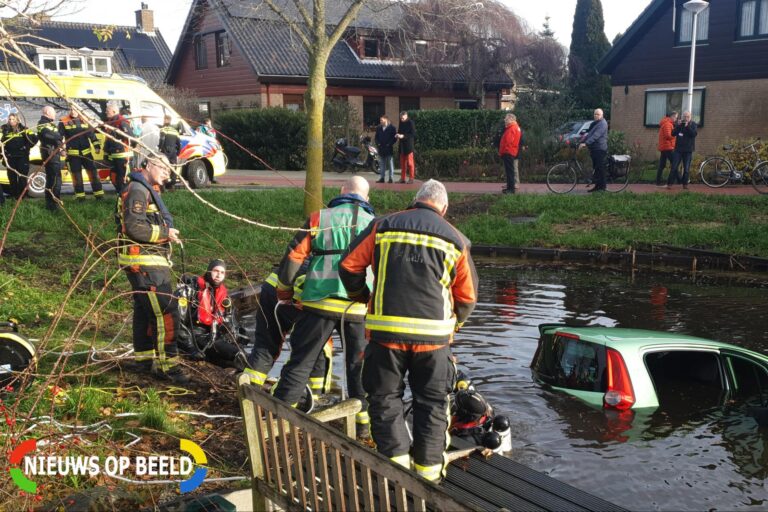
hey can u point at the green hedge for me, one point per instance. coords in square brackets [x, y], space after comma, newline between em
[452, 128]
[471, 164]
[277, 135]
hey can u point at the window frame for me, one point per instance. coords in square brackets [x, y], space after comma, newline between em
[200, 51]
[681, 11]
[734, 385]
[756, 34]
[363, 48]
[374, 100]
[683, 90]
[223, 49]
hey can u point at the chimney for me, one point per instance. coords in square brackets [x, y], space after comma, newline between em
[145, 19]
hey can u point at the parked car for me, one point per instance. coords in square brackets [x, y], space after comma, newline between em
[622, 369]
[571, 132]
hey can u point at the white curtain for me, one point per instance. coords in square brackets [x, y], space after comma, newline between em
[655, 107]
[763, 17]
[748, 18]
[686, 26]
[696, 114]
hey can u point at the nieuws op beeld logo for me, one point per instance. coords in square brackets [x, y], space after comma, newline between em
[25, 465]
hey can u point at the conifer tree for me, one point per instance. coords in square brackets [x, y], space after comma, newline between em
[588, 46]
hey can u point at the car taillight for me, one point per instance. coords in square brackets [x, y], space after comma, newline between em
[620, 394]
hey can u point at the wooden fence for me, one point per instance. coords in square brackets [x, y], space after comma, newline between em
[300, 463]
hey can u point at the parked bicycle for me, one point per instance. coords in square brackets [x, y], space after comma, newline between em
[717, 171]
[563, 176]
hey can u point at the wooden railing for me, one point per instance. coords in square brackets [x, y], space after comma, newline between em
[300, 463]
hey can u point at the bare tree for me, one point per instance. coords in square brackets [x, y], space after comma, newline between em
[311, 27]
[484, 40]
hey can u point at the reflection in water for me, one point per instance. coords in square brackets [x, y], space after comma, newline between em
[676, 458]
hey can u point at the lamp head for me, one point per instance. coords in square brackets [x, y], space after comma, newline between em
[696, 6]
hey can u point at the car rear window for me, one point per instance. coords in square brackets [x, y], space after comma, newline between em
[570, 363]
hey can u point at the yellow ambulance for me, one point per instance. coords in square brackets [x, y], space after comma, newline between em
[25, 95]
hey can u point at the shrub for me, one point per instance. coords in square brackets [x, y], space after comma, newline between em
[459, 163]
[452, 128]
[279, 135]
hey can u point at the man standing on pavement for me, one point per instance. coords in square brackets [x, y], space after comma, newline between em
[145, 232]
[425, 288]
[509, 149]
[51, 147]
[596, 139]
[406, 134]
[385, 139]
[666, 146]
[685, 132]
[325, 237]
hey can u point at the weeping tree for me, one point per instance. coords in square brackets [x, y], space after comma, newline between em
[308, 21]
[484, 39]
[588, 46]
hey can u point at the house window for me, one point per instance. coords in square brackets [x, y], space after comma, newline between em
[223, 49]
[201, 53]
[293, 102]
[659, 102]
[409, 103]
[685, 26]
[467, 104]
[371, 48]
[49, 64]
[420, 49]
[204, 107]
[61, 62]
[753, 19]
[373, 109]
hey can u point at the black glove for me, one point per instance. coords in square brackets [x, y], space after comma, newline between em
[363, 295]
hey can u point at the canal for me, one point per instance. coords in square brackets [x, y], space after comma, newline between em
[681, 458]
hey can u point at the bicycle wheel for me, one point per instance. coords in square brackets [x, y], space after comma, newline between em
[561, 178]
[760, 178]
[616, 183]
[715, 171]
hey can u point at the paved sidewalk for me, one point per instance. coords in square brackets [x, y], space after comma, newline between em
[282, 179]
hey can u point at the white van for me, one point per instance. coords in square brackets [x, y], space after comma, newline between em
[26, 95]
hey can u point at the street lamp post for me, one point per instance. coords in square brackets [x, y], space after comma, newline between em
[695, 6]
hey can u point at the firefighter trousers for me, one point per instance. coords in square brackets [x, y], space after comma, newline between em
[76, 165]
[155, 317]
[308, 338]
[53, 182]
[119, 172]
[17, 167]
[268, 342]
[431, 377]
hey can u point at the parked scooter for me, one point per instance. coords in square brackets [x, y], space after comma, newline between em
[348, 157]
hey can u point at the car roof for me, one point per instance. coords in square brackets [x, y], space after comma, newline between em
[622, 337]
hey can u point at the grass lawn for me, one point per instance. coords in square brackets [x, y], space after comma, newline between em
[59, 278]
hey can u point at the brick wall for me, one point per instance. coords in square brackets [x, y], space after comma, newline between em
[431, 103]
[732, 109]
[221, 103]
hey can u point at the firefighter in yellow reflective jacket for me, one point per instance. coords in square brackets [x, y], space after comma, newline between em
[81, 143]
[326, 235]
[425, 288]
[117, 152]
[145, 233]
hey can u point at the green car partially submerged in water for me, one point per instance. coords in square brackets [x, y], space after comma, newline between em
[622, 369]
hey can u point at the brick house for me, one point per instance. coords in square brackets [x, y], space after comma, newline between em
[649, 72]
[61, 46]
[237, 54]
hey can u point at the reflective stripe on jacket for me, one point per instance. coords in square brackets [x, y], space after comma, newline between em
[207, 296]
[143, 232]
[425, 280]
[330, 231]
[78, 136]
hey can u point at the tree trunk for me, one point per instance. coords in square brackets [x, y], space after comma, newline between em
[315, 99]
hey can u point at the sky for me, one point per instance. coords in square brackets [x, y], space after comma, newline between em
[170, 14]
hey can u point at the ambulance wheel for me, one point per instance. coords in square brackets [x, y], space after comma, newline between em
[197, 175]
[36, 182]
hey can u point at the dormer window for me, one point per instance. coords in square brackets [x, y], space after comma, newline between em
[370, 48]
[77, 61]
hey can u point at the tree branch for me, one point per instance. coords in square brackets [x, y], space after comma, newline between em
[303, 12]
[294, 26]
[350, 15]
